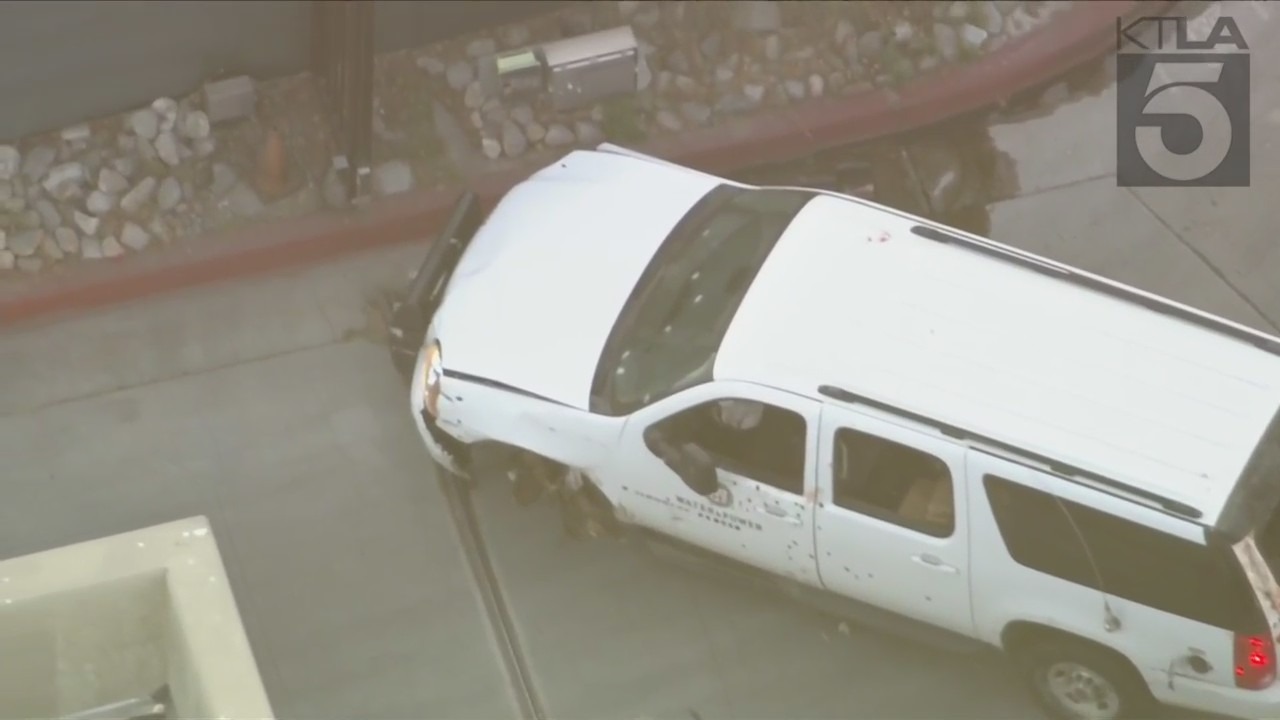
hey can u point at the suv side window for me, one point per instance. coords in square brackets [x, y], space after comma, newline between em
[893, 482]
[756, 440]
[1133, 561]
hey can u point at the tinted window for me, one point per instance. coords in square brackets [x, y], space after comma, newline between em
[893, 482]
[1133, 561]
[748, 438]
[667, 336]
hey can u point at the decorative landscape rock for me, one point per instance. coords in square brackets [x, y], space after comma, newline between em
[67, 240]
[10, 162]
[973, 36]
[204, 147]
[392, 177]
[137, 198]
[100, 203]
[243, 201]
[196, 126]
[169, 193]
[63, 182]
[558, 135]
[514, 142]
[167, 111]
[112, 181]
[88, 224]
[167, 148]
[333, 190]
[49, 249]
[947, 41]
[49, 217]
[145, 124]
[111, 247]
[224, 178]
[91, 249]
[480, 47]
[58, 194]
[24, 244]
[37, 162]
[703, 63]
[76, 136]
[460, 74]
[114, 186]
[134, 237]
[432, 65]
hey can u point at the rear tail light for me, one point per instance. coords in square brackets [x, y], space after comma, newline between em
[1255, 660]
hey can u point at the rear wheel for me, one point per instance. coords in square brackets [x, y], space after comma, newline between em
[1076, 681]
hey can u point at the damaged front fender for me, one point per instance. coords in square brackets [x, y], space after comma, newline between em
[477, 414]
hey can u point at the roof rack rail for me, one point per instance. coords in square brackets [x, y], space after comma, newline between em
[1069, 275]
[1067, 470]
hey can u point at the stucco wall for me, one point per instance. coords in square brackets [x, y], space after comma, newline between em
[117, 618]
[63, 62]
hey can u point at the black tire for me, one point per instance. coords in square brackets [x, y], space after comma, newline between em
[572, 518]
[1101, 679]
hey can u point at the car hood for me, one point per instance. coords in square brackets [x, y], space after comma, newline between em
[537, 292]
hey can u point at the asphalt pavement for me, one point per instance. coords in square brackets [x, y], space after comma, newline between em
[269, 406]
[243, 403]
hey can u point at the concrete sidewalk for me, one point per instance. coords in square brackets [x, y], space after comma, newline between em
[245, 403]
[1084, 31]
[1213, 248]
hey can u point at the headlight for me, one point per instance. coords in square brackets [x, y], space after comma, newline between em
[433, 372]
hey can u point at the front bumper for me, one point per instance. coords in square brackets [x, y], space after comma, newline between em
[445, 449]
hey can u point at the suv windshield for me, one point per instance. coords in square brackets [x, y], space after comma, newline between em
[668, 333]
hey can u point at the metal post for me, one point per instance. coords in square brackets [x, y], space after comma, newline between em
[342, 59]
[341, 62]
[319, 38]
[343, 94]
[361, 108]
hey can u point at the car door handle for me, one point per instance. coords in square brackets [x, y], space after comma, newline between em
[933, 562]
[781, 514]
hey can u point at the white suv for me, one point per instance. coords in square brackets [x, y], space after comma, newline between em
[891, 416]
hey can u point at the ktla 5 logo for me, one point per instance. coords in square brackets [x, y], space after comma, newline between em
[1182, 114]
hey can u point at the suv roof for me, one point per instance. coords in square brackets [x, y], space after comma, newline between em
[1054, 361]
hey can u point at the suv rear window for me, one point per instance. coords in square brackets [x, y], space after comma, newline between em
[1125, 559]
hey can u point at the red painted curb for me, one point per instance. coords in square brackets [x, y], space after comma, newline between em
[1079, 34]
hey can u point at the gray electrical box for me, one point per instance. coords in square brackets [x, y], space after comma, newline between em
[585, 69]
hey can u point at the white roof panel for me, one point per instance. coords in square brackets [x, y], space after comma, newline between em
[851, 297]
